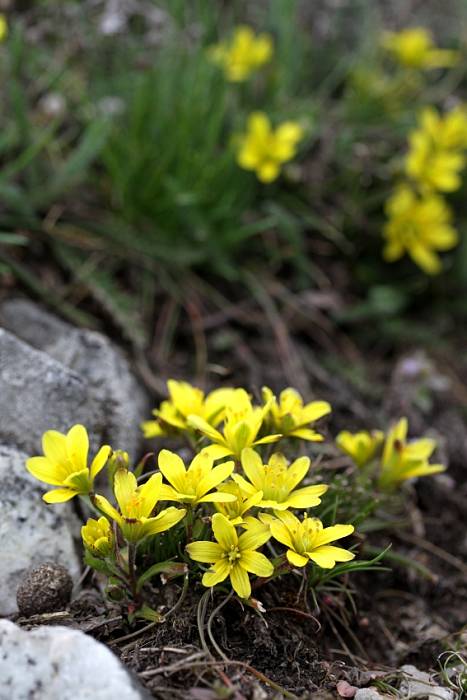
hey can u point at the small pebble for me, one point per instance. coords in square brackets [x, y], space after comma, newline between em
[44, 589]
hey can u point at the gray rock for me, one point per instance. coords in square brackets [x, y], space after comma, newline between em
[38, 394]
[368, 694]
[95, 359]
[58, 663]
[30, 531]
[416, 683]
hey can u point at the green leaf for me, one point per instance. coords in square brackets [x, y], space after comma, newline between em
[148, 613]
[169, 568]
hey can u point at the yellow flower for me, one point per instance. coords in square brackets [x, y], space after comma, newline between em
[361, 446]
[232, 556]
[243, 54]
[242, 423]
[65, 464]
[309, 540]
[418, 226]
[277, 480]
[264, 149]
[291, 418]
[404, 460]
[235, 510]
[185, 400]
[434, 160]
[448, 131]
[195, 484]
[3, 27]
[415, 48]
[98, 536]
[136, 504]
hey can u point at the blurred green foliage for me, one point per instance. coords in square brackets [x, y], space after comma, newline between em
[118, 150]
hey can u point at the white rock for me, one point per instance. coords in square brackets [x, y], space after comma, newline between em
[97, 361]
[416, 683]
[30, 531]
[38, 393]
[368, 694]
[58, 663]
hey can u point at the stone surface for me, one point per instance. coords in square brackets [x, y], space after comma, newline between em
[58, 663]
[44, 589]
[95, 360]
[416, 683]
[369, 694]
[38, 393]
[31, 532]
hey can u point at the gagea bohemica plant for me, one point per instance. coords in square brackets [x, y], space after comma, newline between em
[240, 514]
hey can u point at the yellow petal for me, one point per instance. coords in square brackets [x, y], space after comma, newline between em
[281, 533]
[100, 460]
[42, 469]
[103, 505]
[54, 447]
[214, 477]
[204, 551]
[296, 559]
[217, 497]
[240, 581]
[297, 472]
[216, 573]
[59, 495]
[224, 531]
[149, 494]
[204, 427]
[125, 485]
[330, 534]
[77, 446]
[256, 563]
[173, 468]
[254, 538]
[253, 467]
[327, 556]
[164, 521]
[307, 497]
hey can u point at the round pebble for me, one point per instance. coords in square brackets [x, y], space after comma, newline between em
[44, 589]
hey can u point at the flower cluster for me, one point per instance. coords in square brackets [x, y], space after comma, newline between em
[414, 48]
[391, 457]
[238, 492]
[419, 219]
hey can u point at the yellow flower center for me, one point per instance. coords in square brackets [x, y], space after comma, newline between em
[275, 487]
[233, 554]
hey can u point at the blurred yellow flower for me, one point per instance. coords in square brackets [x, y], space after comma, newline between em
[185, 400]
[195, 484]
[361, 446]
[98, 537]
[242, 424]
[291, 418]
[415, 48]
[278, 480]
[418, 226]
[307, 540]
[435, 158]
[404, 460]
[3, 27]
[136, 505]
[232, 555]
[448, 131]
[65, 464]
[264, 149]
[243, 54]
